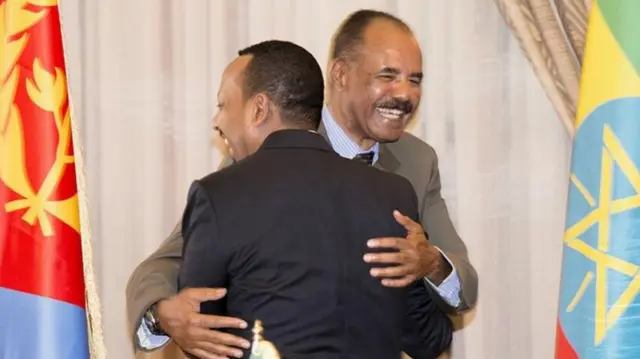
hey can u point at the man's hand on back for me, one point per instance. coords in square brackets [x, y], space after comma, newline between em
[180, 318]
[414, 257]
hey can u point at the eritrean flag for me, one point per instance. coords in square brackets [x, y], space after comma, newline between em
[42, 289]
[599, 311]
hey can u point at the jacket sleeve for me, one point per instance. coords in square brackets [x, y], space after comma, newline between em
[427, 330]
[156, 278]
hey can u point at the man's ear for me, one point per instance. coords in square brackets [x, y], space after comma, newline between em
[262, 109]
[338, 70]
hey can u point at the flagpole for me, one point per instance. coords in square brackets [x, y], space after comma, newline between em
[97, 347]
[94, 312]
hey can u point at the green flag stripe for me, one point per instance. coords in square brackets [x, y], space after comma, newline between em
[623, 19]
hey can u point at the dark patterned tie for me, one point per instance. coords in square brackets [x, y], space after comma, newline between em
[365, 157]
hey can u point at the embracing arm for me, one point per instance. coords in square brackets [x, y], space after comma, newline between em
[153, 280]
[427, 331]
[460, 288]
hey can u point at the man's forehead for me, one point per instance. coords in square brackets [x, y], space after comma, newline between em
[384, 30]
[236, 67]
[387, 45]
[233, 72]
[383, 35]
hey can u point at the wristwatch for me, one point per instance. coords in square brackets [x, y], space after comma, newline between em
[152, 322]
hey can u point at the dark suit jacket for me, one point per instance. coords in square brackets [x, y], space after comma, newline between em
[285, 231]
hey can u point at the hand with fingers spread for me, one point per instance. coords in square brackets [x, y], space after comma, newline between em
[195, 333]
[414, 257]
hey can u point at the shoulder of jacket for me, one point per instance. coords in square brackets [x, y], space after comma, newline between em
[409, 142]
[222, 176]
[412, 151]
[379, 176]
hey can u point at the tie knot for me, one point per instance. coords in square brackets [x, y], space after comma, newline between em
[365, 157]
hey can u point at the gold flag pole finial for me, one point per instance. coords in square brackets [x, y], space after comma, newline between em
[260, 348]
[257, 336]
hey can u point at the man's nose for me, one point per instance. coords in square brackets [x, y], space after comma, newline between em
[402, 90]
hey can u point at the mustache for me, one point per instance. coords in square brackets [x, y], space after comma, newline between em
[396, 104]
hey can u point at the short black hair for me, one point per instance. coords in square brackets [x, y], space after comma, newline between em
[290, 76]
[350, 35]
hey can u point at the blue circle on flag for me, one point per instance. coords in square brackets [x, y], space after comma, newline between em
[599, 304]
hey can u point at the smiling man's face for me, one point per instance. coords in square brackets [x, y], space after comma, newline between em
[383, 82]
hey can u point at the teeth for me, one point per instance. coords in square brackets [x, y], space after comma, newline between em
[229, 149]
[389, 113]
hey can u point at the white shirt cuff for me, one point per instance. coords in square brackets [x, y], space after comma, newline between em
[449, 289]
[149, 341]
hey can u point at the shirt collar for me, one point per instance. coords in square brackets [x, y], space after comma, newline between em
[341, 142]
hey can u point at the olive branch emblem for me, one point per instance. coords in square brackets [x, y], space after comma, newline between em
[46, 90]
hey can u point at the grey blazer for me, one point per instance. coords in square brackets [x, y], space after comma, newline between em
[156, 277]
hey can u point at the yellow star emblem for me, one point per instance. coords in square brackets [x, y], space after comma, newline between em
[612, 153]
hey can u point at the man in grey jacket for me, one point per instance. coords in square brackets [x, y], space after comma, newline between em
[374, 83]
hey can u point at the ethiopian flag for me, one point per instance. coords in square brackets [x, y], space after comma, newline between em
[42, 289]
[599, 309]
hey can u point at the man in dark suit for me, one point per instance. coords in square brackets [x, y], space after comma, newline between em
[298, 267]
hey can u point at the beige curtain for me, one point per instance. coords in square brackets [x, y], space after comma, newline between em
[551, 34]
[143, 77]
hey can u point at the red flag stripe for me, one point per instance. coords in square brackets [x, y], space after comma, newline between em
[564, 350]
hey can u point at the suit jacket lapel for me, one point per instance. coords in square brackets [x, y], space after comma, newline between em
[386, 159]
